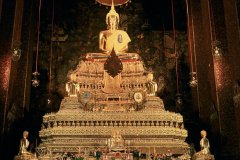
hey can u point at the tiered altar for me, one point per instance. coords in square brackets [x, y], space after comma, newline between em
[111, 92]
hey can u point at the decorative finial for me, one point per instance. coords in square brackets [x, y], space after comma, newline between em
[112, 14]
[112, 7]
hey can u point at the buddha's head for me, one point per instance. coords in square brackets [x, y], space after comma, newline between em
[150, 77]
[203, 133]
[112, 19]
[25, 134]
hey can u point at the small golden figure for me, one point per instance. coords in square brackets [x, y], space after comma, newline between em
[151, 85]
[204, 143]
[204, 153]
[24, 144]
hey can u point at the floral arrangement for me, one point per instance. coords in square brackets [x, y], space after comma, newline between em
[71, 156]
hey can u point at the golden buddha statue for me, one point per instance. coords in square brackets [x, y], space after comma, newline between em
[151, 85]
[204, 143]
[113, 37]
[24, 144]
[116, 141]
[204, 153]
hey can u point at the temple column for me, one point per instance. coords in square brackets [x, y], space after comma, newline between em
[17, 28]
[217, 20]
[226, 26]
[201, 48]
[233, 41]
[8, 32]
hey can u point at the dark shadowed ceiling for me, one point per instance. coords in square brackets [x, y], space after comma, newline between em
[158, 13]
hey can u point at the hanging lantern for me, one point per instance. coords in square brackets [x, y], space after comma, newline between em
[193, 82]
[49, 98]
[16, 53]
[178, 99]
[35, 81]
[49, 101]
[217, 51]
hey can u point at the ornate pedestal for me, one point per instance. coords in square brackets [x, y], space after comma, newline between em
[108, 92]
[25, 157]
[203, 157]
[151, 128]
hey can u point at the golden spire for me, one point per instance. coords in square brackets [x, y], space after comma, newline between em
[112, 13]
[112, 7]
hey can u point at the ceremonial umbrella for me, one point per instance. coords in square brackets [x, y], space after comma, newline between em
[109, 2]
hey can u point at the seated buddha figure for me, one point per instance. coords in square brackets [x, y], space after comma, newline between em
[204, 143]
[204, 153]
[151, 85]
[24, 144]
[113, 38]
[116, 141]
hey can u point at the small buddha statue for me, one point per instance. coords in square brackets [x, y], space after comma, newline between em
[24, 143]
[113, 37]
[204, 153]
[151, 85]
[204, 143]
[116, 140]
